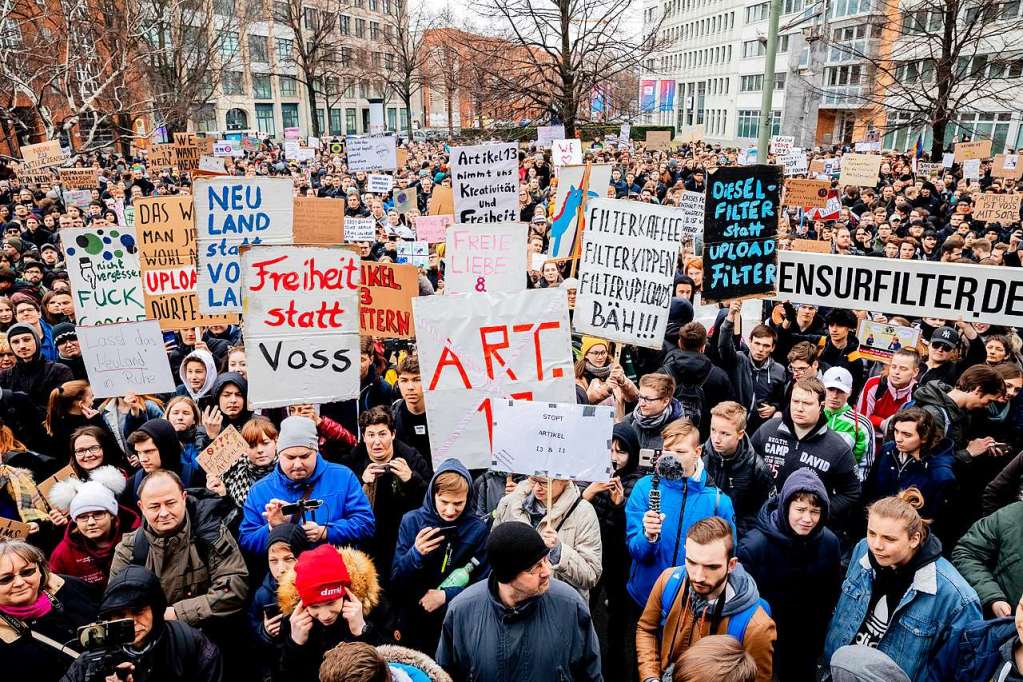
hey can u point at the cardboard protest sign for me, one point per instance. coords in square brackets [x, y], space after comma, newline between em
[690, 134]
[223, 452]
[811, 245]
[442, 201]
[385, 300]
[567, 152]
[413, 253]
[545, 135]
[692, 206]
[879, 341]
[125, 358]
[576, 185]
[552, 439]
[187, 152]
[739, 232]
[251, 143]
[404, 199]
[868, 146]
[371, 152]
[626, 271]
[42, 155]
[658, 139]
[485, 258]
[231, 213]
[485, 179]
[62, 474]
[432, 229]
[319, 220]
[929, 169]
[476, 348]
[13, 530]
[1007, 166]
[162, 156]
[860, 169]
[301, 324]
[359, 229]
[964, 151]
[78, 197]
[167, 256]
[79, 178]
[997, 208]
[379, 184]
[977, 293]
[103, 266]
[806, 192]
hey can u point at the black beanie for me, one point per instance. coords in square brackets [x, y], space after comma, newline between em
[514, 547]
[290, 534]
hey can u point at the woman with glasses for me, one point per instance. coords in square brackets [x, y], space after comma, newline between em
[40, 613]
[600, 377]
[69, 409]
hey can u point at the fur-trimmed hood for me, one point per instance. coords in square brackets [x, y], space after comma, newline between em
[393, 653]
[361, 571]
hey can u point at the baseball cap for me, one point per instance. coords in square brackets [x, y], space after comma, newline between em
[321, 575]
[840, 378]
[946, 335]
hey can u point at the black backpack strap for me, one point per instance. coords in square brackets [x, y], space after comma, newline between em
[569, 513]
[140, 548]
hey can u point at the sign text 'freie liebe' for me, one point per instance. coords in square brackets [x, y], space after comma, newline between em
[231, 213]
[485, 258]
[302, 324]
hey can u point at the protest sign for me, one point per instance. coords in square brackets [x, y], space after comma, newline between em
[432, 229]
[576, 185]
[162, 156]
[42, 155]
[811, 245]
[806, 193]
[359, 229]
[228, 148]
[301, 324]
[405, 199]
[964, 151]
[313, 142]
[658, 139]
[126, 358]
[996, 208]
[291, 133]
[167, 256]
[211, 165]
[692, 206]
[485, 258]
[690, 134]
[929, 169]
[781, 144]
[291, 149]
[13, 530]
[627, 266]
[558, 440]
[869, 146]
[566, 152]
[187, 152]
[223, 452]
[319, 220]
[947, 159]
[625, 132]
[231, 213]
[485, 179]
[860, 169]
[879, 341]
[385, 300]
[794, 162]
[62, 474]
[739, 232]
[103, 266]
[442, 201]
[251, 143]
[545, 135]
[476, 348]
[1006, 166]
[379, 184]
[977, 293]
[78, 197]
[79, 178]
[413, 253]
[971, 169]
[371, 152]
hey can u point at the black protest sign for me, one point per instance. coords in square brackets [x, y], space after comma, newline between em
[740, 232]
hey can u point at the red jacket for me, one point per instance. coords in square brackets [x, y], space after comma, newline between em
[76, 557]
[879, 407]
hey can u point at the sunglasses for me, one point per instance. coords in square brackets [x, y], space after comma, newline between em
[942, 346]
[24, 573]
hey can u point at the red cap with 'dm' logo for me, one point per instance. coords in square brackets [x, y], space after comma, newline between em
[321, 575]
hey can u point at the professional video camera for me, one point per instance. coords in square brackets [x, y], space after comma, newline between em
[103, 643]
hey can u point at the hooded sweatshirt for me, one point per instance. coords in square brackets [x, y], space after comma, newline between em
[36, 376]
[185, 388]
[950, 419]
[690, 368]
[744, 477]
[213, 398]
[166, 439]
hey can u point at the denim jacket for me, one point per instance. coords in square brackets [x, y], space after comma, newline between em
[924, 631]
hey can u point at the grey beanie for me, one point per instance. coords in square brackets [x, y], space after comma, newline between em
[297, 432]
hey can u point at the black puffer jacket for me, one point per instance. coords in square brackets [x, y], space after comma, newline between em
[744, 477]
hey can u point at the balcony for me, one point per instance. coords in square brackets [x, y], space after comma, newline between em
[845, 96]
[851, 51]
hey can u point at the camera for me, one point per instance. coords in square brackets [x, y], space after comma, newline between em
[301, 507]
[104, 643]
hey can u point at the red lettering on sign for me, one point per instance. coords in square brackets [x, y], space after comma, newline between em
[491, 350]
[448, 357]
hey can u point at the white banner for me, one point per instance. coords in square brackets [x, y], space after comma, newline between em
[553, 439]
[567, 152]
[977, 293]
[379, 184]
[629, 254]
[360, 229]
[125, 358]
[485, 181]
[103, 267]
[366, 153]
[476, 348]
[301, 324]
[565, 226]
[228, 148]
[485, 258]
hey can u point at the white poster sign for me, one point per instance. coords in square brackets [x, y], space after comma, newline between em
[545, 135]
[371, 152]
[781, 144]
[125, 358]
[567, 152]
[301, 324]
[103, 267]
[485, 258]
[485, 180]
[477, 348]
[971, 169]
[360, 229]
[228, 148]
[692, 206]
[575, 187]
[378, 183]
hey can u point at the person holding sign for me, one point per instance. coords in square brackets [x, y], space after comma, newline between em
[32, 373]
[602, 378]
[226, 404]
[260, 459]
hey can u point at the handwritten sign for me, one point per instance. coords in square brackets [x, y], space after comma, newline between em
[1006, 166]
[545, 135]
[811, 245]
[476, 348]
[79, 178]
[740, 229]
[385, 300]
[220, 455]
[163, 156]
[124, 358]
[413, 253]
[405, 200]
[692, 205]
[971, 169]
[781, 144]
[567, 152]
[167, 255]
[930, 169]
[42, 155]
[658, 139]
[319, 220]
[13, 530]
[485, 179]
[689, 134]
[794, 162]
[188, 151]
[301, 324]
[860, 169]
[442, 201]
[432, 229]
[379, 184]
[563, 441]
[807, 192]
[231, 213]
[359, 229]
[997, 208]
[880, 341]
[103, 266]
[980, 149]
[63, 474]
[371, 152]
[485, 258]
[575, 188]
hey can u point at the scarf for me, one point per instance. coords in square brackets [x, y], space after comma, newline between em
[33, 611]
[241, 477]
[23, 492]
[654, 423]
[601, 373]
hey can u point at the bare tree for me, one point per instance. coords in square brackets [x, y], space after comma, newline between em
[943, 57]
[445, 67]
[406, 57]
[548, 56]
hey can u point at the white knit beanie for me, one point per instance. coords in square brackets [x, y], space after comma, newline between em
[93, 496]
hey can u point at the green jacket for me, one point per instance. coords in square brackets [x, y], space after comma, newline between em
[990, 556]
[856, 430]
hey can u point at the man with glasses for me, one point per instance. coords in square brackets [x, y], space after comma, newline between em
[655, 410]
[941, 364]
[521, 623]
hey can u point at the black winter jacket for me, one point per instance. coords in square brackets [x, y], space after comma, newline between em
[744, 477]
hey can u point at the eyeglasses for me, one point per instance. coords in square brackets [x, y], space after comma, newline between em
[535, 570]
[597, 353]
[91, 450]
[24, 573]
[648, 399]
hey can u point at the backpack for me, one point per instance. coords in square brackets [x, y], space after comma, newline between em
[737, 623]
[692, 399]
[946, 418]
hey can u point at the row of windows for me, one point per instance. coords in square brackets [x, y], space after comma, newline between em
[233, 83]
[722, 54]
[284, 51]
[749, 123]
[717, 122]
[703, 27]
[755, 82]
[980, 66]
[756, 48]
[717, 86]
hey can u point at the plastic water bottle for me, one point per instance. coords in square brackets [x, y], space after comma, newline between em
[460, 576]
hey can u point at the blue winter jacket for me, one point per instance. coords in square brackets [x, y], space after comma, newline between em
[933, 475]
[345, 511]
[924, 634]
[683, 503]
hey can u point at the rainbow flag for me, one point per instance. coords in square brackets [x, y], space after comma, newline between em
[919, 148]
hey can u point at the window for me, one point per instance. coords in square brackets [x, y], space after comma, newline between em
[350, 121]
[779, 81]
[259, 48]
[284, 49]
[753, 48]
[377, 59]
[261, 86]
[224, 8]
[790, 6]
[237, 119]
[385, 6]
[289, 86]
[850, 75]
[374, 30]
[404, 118]
[751, 83]
[346, 25]
[280, 12]
[320, 123]
[757, 13]
[229, 44]
[783, 43]
[360, 28]
[265, 118]
[373, 6]
[310, 18]
[845, 8]
[364, 88]
[392, 118]
[335, 122]
[232, 83]
[749, 123]
[289, 115]
[206, 118]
